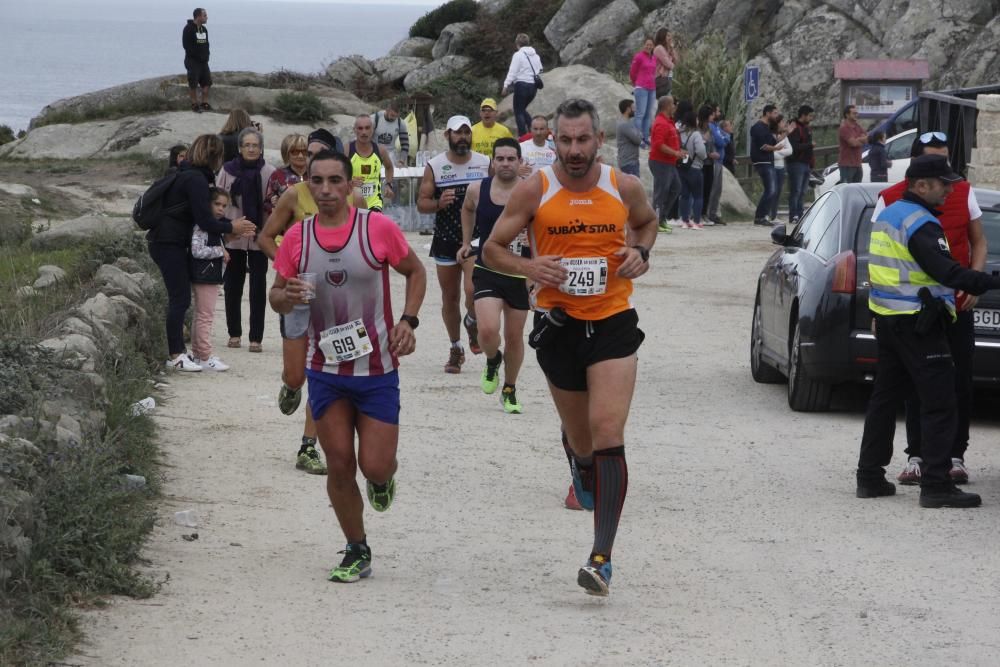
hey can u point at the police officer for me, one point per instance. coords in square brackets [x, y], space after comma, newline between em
[913, 278]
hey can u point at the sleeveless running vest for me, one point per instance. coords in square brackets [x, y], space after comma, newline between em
[589, 227]
[351, 285]
[487, 214]
[447, 174]
[370, 169]
[304, 203]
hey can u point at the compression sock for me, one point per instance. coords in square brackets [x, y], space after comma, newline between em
[610, 485]
[307, 442]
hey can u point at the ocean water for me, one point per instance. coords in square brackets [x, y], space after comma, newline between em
[51, 49]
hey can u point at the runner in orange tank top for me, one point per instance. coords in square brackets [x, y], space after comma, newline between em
[590, 228]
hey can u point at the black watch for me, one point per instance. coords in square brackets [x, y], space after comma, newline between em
[412, 320]
[643, 252]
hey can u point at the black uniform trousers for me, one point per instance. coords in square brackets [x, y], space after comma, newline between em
[909, 363]
[242, 262]
[962, 341]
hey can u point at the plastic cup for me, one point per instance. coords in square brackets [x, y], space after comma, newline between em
[310, 279]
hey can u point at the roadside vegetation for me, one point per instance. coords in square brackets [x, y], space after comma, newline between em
[491, 42]
[72, 530]
[433, 22]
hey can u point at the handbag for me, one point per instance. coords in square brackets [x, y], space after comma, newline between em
[206, 270]
[538, 77]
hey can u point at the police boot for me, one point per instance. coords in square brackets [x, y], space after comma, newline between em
[947, 495]
[874, 487]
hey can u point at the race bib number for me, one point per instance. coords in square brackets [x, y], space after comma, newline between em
[587, 276]
[368, 190]
[518, 245]
[345, 342]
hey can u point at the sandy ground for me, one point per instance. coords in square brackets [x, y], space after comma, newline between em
[741, 542]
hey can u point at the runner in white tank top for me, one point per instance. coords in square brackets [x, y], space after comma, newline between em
[354, 342]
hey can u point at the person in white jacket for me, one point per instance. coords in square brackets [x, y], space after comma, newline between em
[525, 65]
[781, 150]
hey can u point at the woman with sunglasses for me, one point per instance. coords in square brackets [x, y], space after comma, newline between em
[295, 156]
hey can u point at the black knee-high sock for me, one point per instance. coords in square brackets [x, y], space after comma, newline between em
[610, 485]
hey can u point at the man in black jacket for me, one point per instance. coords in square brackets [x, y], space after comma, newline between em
[801, 161]
[195, 41]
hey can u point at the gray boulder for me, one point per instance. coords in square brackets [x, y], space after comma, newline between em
[343, 71]
[418, 47]
[451, 38]
[594, 43]
[48, 275]
[74, 348]
[573, 81]
[113, 280]
[393, 69]
[128, 265]
[70, 233]
[110, 96]
[18, 190]
[570, 17]
[419, 78]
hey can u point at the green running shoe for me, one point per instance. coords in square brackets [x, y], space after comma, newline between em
[508, 397]
[381, 498]
[310, 461]
[289, 399]
[357, 564]
[664, 228]
[490, 379]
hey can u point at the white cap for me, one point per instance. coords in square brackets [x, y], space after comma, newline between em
[456, 122]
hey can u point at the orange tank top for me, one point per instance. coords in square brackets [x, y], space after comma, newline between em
[585, 229]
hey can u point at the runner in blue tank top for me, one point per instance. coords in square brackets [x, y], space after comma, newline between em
[496, 294]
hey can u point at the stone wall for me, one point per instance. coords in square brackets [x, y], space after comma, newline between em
[985, 169]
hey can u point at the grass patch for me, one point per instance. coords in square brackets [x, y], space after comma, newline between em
[131, 106]
[491, 42]
[304, 107]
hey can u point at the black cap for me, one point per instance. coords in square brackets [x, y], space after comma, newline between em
[324, 137]
[932, 166]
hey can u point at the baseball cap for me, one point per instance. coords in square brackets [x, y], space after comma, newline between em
[489, 102]
[932, 166]
[456, 122]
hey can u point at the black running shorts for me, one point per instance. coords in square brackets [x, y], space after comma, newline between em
[198, 73]
[488, 284]
[583, 343]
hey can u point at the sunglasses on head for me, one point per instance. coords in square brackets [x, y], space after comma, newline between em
[928, 137]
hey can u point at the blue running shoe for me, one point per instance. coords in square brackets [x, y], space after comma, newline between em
[583, 496]
[595, 576]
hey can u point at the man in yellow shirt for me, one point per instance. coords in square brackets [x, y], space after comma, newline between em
[487, 130]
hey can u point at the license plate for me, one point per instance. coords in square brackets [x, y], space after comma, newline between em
[986, 319]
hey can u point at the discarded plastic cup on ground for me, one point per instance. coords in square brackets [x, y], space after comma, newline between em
[186, 518]
[143, 407]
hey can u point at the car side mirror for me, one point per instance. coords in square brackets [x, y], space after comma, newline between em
[779, 236]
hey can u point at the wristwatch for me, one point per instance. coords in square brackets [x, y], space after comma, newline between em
[643, 252]
[412, 320]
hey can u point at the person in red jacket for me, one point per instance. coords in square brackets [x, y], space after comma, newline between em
[663, 155]
[963, 227]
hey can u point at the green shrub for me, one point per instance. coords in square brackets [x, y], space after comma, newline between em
[299, 108]
[6, 134]
[433, 22]
[491, 42]
[459, 94]
[708, 72]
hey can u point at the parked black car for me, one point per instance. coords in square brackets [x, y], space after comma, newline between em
[811, 322]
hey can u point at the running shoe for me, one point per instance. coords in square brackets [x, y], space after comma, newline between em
[571, 502]
[456, 357]
[911, 473]
[959, 473]
[184, 363]
[696, 225]
[289, 399]
[595, 576]
[664, 228]
[491, 377]
[309, 461]
[472, 329]
[583, 496]
[213, 363]
[508, 397]
[357, 564]
[381, 497]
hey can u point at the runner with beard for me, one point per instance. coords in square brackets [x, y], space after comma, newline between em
[590, 228]
[442, 192]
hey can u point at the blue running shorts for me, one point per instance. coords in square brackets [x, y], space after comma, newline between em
[376, 396]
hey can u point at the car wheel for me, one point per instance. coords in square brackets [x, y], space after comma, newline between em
[804, 393]
[759, 369]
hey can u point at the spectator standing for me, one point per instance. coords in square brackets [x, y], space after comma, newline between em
[170, 240]
[487, 130]
[295, 155]
[851, 139]
[665, 53]
[800, 162]
[878, 159]
[194, 38]
[208, 259]
[643, 76]
[525, 66]
[692, 141]
[721, 140]
[388, 128]
[729, 159]
[782, 149]
[177, 155]
[762, 144]
[245, 178]
[628, 138]
[237, 121]
[665, 149]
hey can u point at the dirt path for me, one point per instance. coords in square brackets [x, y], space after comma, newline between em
[741, 540]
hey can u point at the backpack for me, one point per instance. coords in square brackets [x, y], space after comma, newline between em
[149, 210]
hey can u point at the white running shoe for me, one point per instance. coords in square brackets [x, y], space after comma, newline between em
[184, 363]
[213, 363]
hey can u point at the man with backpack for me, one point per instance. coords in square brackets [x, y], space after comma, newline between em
[388, 126]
